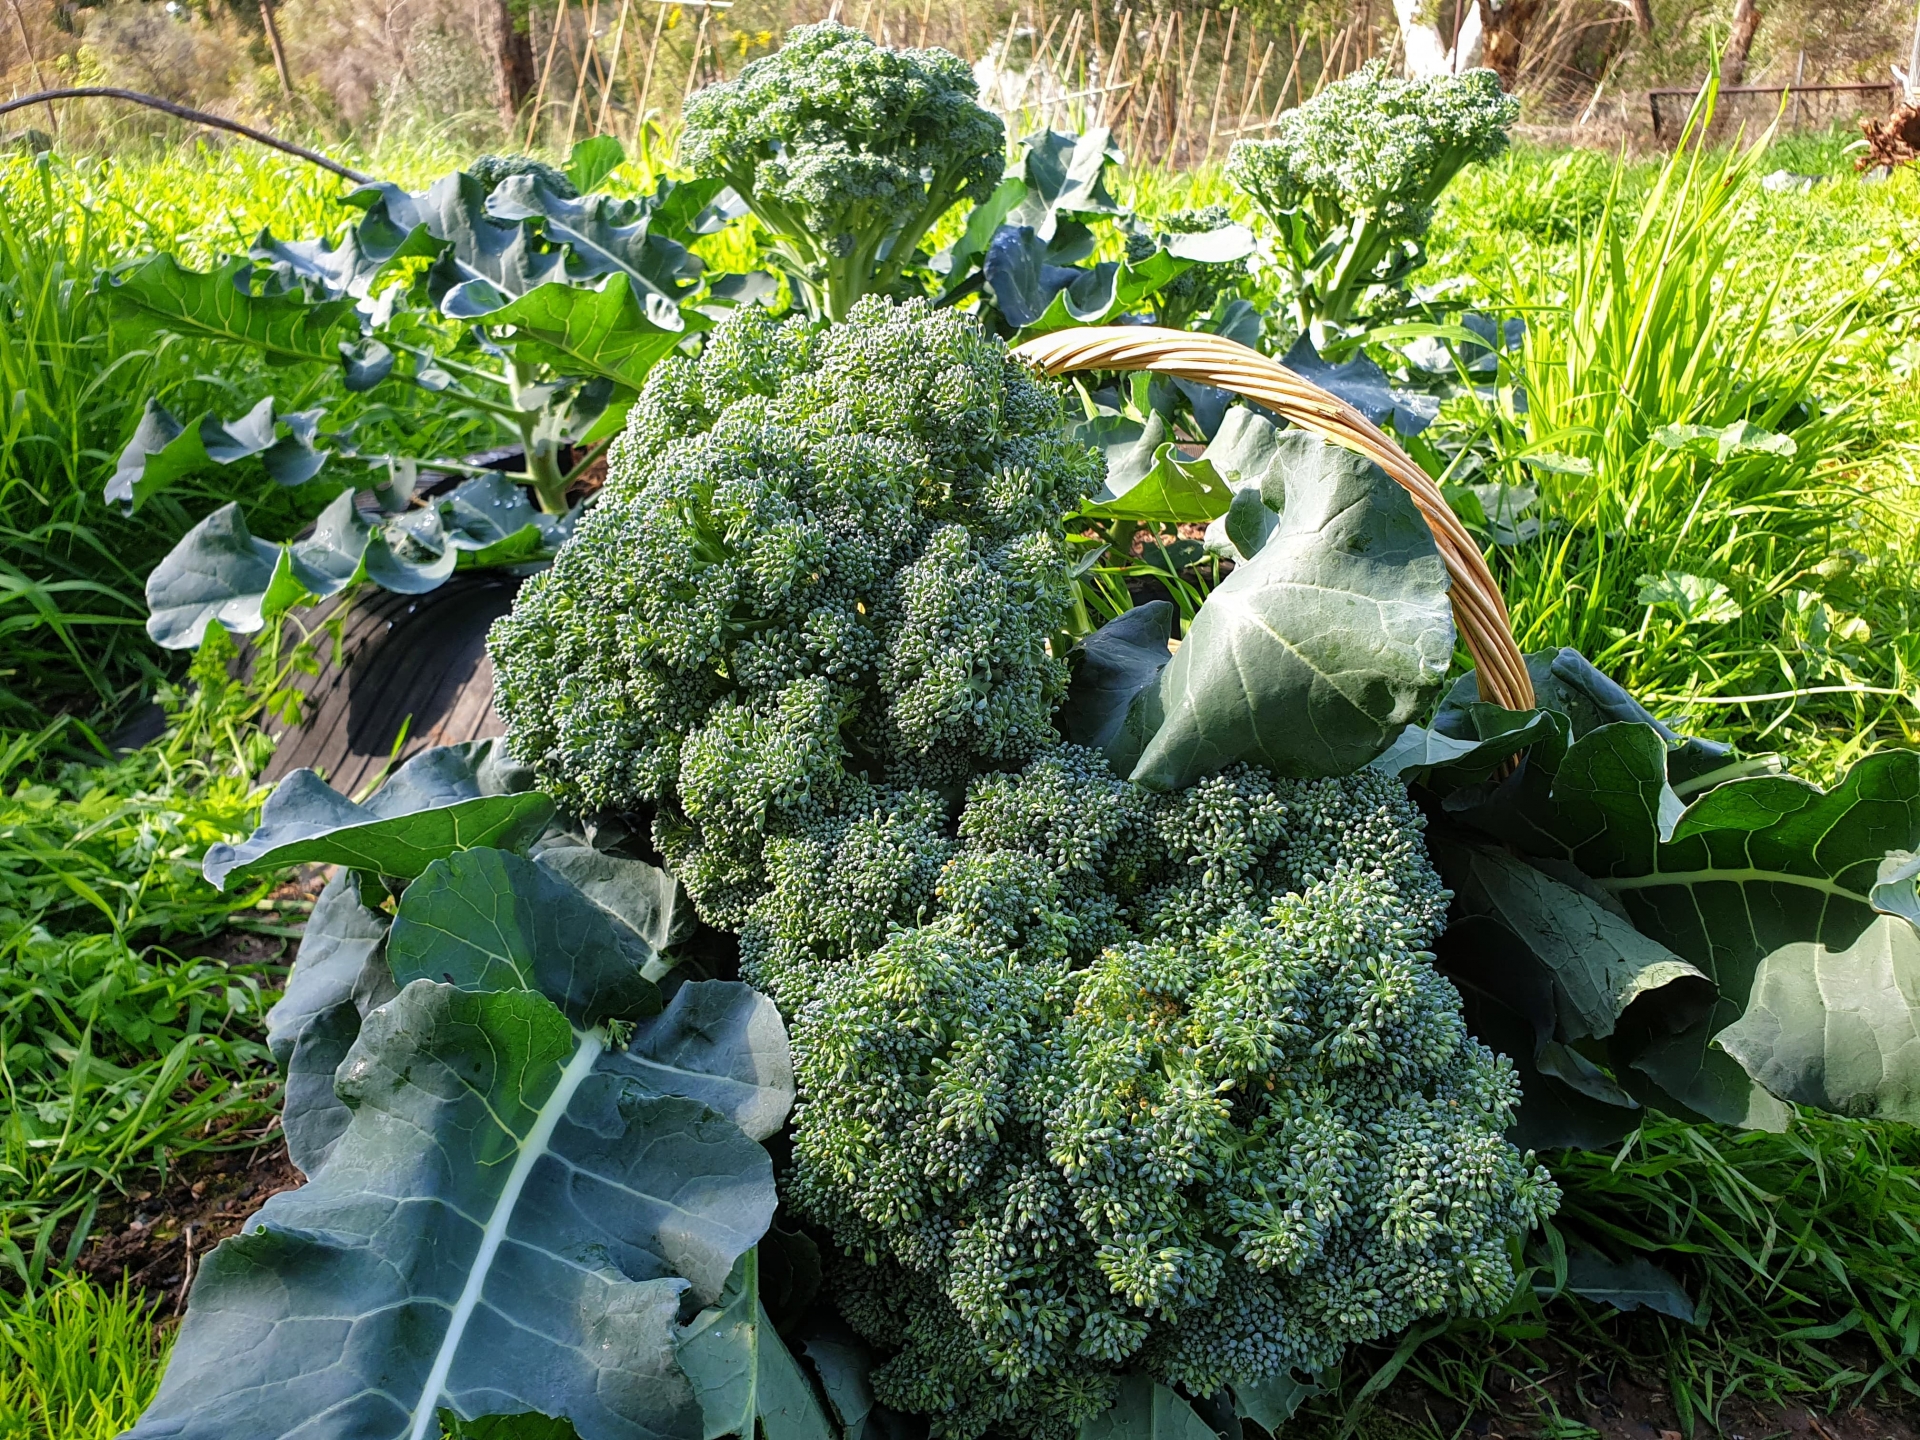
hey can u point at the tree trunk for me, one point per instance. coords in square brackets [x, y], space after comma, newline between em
[1746, 20]
[1507, 28]
[1428, 52]
[512, 45]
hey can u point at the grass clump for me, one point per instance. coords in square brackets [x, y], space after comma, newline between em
[76, 1362]
[122, 1045]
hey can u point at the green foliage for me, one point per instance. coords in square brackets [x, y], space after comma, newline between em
[847, 153]
[1644, 919]
[1349, 180]
[124, 1045]
[518, 298]
[822, 554]
[485, 1093]
[1062, 1125]
[1190, 295]
[76, 1362]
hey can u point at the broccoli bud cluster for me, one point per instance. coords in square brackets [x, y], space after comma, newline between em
[847, 152]
[1160, 1082]
[827, 559]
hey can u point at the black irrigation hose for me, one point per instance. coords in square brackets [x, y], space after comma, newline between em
[198, 117]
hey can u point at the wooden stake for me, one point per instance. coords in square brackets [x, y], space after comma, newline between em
[580, 74]
[613, 67]
[966, 34]
[1220, 80]
[925, 11]
[646, 86]
[273, 43]
[540, 95]
[1113, 64]
[1186, 88]
[1253, 85]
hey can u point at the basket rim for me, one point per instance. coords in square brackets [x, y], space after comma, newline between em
[1479, 611]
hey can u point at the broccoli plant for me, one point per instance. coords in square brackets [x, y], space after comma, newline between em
[1349, 180]
[848, 153]
[502, 293]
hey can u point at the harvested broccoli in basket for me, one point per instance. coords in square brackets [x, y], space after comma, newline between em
[826, 558]
[1166, 1083]
[1091, 1080]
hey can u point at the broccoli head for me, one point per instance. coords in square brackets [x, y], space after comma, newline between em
[1155, 1082]
[847, 153]
[1362, 163]
[492, 170]
[826, 559]
[1194, 291]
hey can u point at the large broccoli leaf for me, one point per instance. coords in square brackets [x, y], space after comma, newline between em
[502, 1228]
[1312, 655]
[306, 821]
[1757, 863]
[1836, 1028]
[608, 331]
[286, 326]
[1148, 478]
[341, 975]
[1113, 702]
[719, 1042]
[1144, 1410]
[487, 919]
[748, 1381]
[163, 450]
[1064, 177]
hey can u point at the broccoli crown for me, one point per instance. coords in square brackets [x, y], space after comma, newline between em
[826, 559]
[1159, 1082]
[1193, 291]
[841, 138]
[491, 170]
[1377, 145]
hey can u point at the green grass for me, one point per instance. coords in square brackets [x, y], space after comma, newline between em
[1798, 1250]
[76, 1362]
[121, 1046]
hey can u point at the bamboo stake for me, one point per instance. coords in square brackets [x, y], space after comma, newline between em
[613, 68]
[1070, 45]
[1113, 63]
[926, 10]
[1186, 88]
[540, 95]
[1220, 80]
[1253, 86]
[33, 61]
[653, 54]
[1036, 62]
[966, 34]
[580, 74]
[699, 40]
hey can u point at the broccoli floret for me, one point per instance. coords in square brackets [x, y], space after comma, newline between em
[1158, 1082]
[491, 170]
[1362, 164]
[1194, 291]
[847, 153]
[825, 559]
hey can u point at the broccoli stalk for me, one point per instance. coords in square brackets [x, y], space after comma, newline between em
[848, 154]
[1349, 179]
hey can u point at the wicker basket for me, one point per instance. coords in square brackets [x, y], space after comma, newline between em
[1478, 610]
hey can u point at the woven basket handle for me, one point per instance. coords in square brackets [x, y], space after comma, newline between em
[1478, 610]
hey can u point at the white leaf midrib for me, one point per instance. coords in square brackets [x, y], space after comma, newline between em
[532, 1149]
